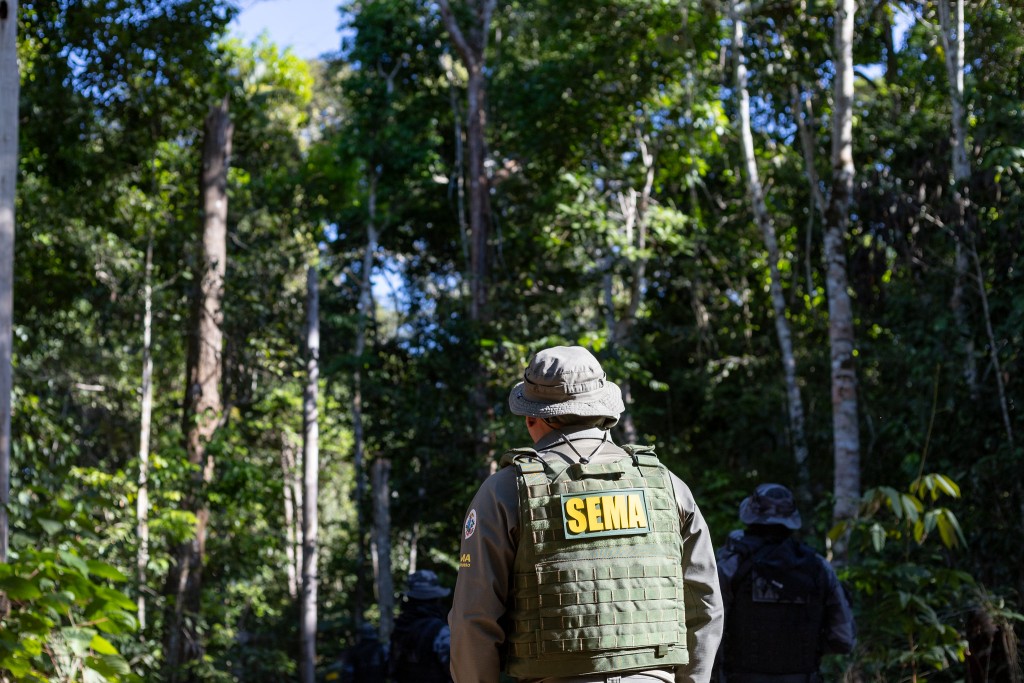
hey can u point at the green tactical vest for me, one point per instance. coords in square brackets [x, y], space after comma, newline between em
[598, 583]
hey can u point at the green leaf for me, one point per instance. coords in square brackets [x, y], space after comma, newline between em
[894, 500]
[50, 526]
[116, 598]
[110, 665]
[105, 571]
[73, 560]
[877, 537]
[102, 646]
[78, 639]
[911, 506]
[20, 588]
[948, 485]
[949, 529]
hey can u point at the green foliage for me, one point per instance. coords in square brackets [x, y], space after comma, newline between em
[68, 613]
[908, 595]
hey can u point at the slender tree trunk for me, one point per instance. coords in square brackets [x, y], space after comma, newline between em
[458, 179]
[145, 422]
[632, 207]
[366, 313]
[203, 408]
[952, 35]
[310, 481]
[472, 47]
[382, 544]
[767, 226]
[9, 82]
[953, 46]
[292, 501]
[846, 436]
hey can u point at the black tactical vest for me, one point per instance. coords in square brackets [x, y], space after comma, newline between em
[777, 617]
[412, 656]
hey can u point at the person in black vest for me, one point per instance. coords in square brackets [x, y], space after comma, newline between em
[364, 662]
[421, 641]
[784, 606]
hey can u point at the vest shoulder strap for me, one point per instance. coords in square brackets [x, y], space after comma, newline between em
[642, 455]
[518, 456]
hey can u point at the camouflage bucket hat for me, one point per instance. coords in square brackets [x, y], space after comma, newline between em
[770, 504]
[566, 380]
[424, 585]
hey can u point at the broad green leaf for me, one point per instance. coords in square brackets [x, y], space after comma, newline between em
[110, 665]
[911, 506]
[19, 588]
[948, 485]
[877, 537]
[102, 646]
[50, 526]
[78, 639]
[105, 571]
[894, 500]
[73, 560]
[116, 598]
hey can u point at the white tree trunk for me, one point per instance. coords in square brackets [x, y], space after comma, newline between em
[310, 482]
[846, 437]
[382, 544]
[145, 423]
[9, 82]
[767, 226]
[292, 501]
[952, 38]
[952, 34]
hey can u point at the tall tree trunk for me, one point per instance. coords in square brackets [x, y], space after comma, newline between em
[767, 226]
[310, 481]
[633, 206]
[846, 483]
[203, 408]
[382, 544]
[472, 47]
[366, 315]
[952, 35]
[9, 83]
[292, 499]
[953, 45]
[457, 178]
[145, 423]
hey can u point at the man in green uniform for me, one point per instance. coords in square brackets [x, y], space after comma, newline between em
[582, 561]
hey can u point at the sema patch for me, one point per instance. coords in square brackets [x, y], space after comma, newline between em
[605, 513]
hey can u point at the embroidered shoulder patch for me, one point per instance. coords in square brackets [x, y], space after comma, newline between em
[470, 523]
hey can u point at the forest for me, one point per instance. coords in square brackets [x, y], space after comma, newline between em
[260, 315]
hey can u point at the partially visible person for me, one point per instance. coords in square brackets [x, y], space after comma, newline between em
[582, 561]
[365, 661]
[421, 641]
[784, 606]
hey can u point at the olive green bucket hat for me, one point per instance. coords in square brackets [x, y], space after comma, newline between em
[566, 380]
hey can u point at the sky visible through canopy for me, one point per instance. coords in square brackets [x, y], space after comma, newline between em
[309, 27]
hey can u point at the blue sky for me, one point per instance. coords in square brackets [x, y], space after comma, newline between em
[309, 27]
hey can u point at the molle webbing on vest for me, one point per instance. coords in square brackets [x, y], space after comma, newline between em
[610, 600]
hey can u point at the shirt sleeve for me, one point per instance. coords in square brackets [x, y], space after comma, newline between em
[489, 536]
[841, 635]
[701, 591]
